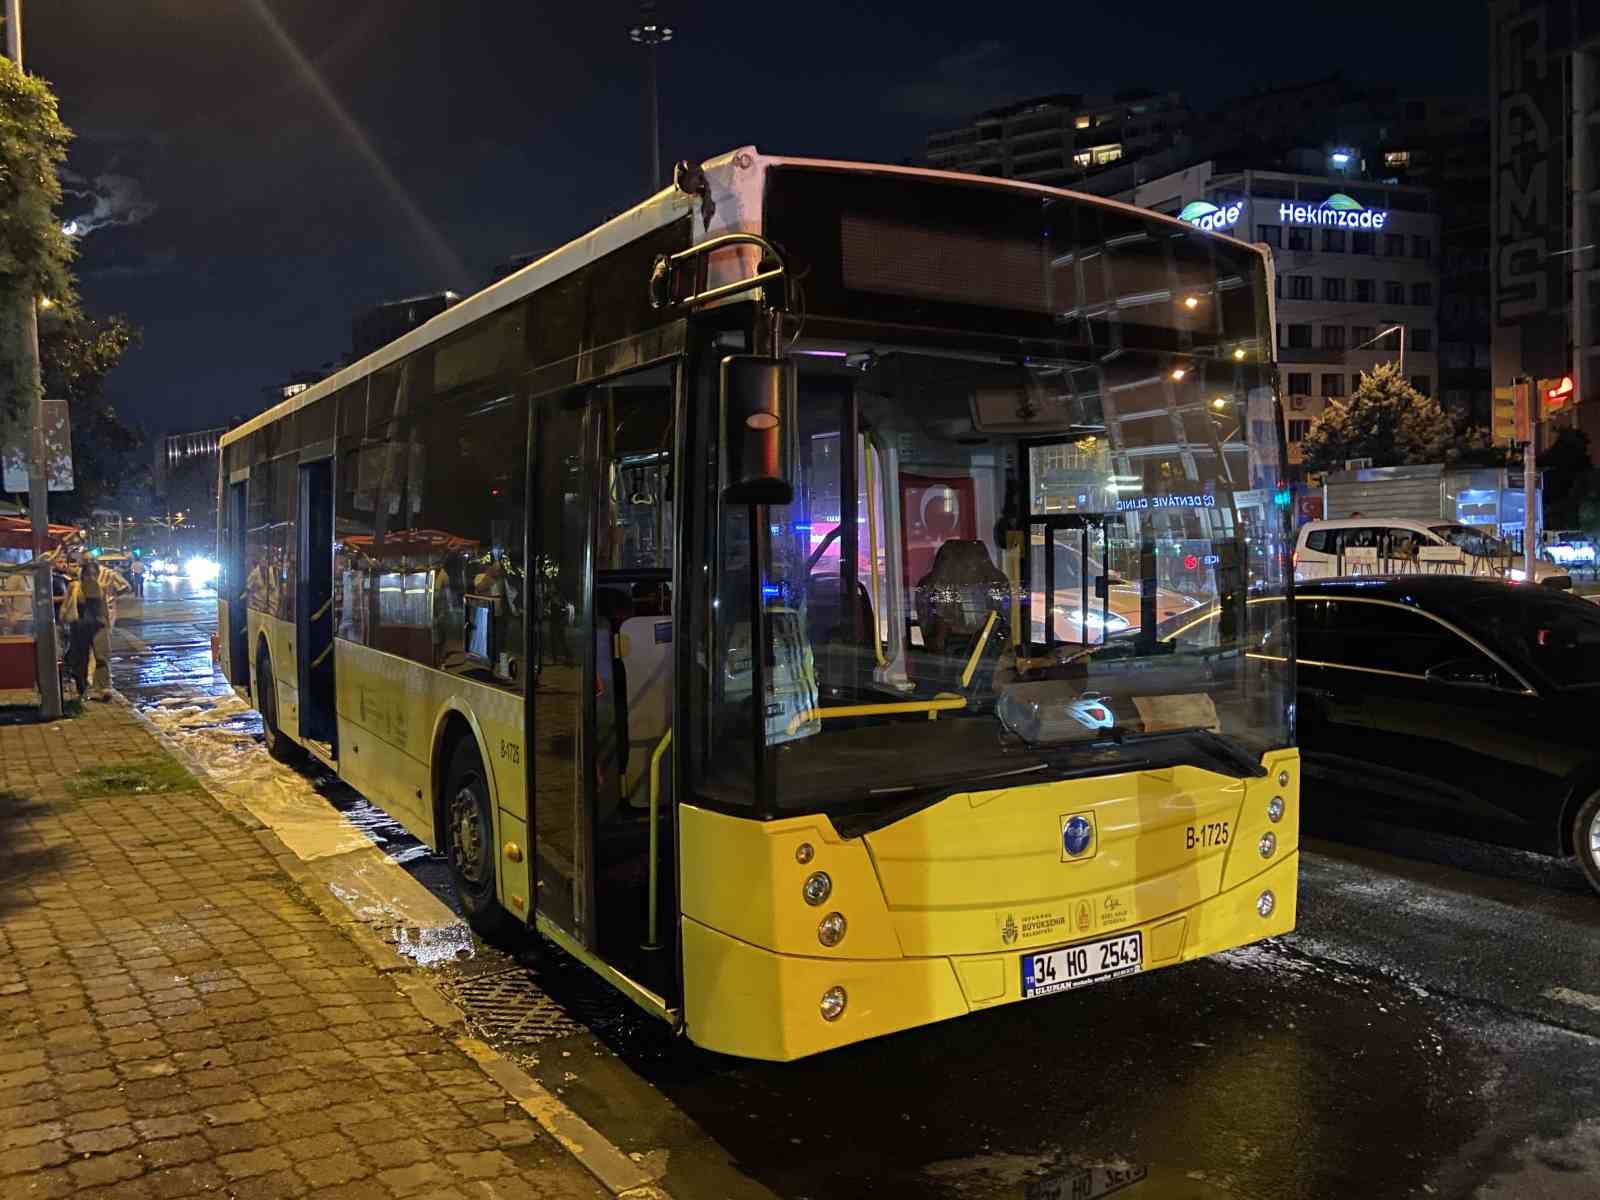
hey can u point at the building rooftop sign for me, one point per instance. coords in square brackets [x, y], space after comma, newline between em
[1202, 214]
[1338, 210]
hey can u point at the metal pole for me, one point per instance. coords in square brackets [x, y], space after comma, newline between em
[655, 126]
[1530, 476]
[44, 615]
[1579, 118]
[1402, 349]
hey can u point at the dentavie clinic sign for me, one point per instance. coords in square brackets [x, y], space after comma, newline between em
[1338, 211]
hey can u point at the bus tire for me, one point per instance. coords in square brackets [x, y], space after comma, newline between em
[280, 747]
[1586, 839]
[468, 844]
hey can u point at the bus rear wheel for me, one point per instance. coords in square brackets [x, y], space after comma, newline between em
[280, 747]
[468, 844]
[1586, 839]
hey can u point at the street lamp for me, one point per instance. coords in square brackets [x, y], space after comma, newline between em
[650, 32]
[1383, 333]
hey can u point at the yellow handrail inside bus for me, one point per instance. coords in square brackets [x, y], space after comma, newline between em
[650, 942]
[943, 702]
[872, 544]
[977, 651]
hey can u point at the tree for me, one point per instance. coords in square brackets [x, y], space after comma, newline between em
[1390, 422]
[109, 467]
[1569, 484]
[34, 252]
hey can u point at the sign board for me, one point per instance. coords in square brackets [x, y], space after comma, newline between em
[1202, 214]
[1357, 464]
[1441, 554]
[1361, 558]
[57, 449]
[1337, 211]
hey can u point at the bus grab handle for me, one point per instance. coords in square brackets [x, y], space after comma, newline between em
[651, 942]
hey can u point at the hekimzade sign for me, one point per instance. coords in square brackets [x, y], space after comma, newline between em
[1338, 210]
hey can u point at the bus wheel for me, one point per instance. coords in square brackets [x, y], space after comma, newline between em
[1586, 839]
[468, 843]
[280, 747]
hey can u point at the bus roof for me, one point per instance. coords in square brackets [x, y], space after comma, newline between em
[736, 181]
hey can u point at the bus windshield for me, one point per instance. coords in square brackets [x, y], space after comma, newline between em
[978, 570]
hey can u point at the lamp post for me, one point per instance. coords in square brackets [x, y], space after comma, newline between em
[1385, 333]
[27, 372]
[650, 33]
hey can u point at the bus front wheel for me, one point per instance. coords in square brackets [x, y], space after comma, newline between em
[468, 843]
[280, 747]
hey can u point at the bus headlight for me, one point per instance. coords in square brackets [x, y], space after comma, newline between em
[830, 930]
[818, 888]
[1265, 903]
[1275, 809]
[833, 1002]
[1268, 845]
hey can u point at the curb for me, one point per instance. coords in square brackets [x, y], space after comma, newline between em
[611, 1167]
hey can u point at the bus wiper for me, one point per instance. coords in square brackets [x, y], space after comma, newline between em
[963, 780]
[1222, 747]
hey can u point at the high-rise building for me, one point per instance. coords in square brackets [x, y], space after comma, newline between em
[1357, 280]
[1062, 139]
[1545, 156]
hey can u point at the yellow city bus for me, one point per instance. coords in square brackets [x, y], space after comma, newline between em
[765, 597]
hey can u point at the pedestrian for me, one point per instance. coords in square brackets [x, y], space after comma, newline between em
[115, 587]
[86, 606]
[136, 573]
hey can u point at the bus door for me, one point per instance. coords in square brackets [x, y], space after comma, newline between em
[601, 700]
[314, 607]
[236, 636]
[1070, 585]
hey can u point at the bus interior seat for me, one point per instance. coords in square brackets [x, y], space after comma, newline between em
[953, 602]
[840, 635]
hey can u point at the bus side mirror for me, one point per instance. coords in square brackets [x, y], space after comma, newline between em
[758, 399]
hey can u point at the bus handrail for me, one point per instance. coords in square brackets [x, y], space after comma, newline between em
[943, 702]
[663, 272]
[650, 942]
[977, 651]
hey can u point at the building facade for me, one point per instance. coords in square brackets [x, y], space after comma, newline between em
[1063, 139]
[1545, 154]
[1354, 259]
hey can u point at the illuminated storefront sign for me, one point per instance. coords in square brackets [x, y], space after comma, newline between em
[1337, 210]
[1138, 502]
[1202, 214]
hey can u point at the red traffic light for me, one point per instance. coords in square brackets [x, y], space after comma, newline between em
[1557, 396]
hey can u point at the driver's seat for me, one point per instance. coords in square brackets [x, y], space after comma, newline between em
[953, 602]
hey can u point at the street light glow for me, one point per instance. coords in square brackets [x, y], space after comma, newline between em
[1191, 302]
[1178, 373]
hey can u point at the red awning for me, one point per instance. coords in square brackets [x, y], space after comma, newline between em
[409, 541]
[16, 533]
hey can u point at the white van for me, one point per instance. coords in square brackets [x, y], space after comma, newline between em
[1401, 545]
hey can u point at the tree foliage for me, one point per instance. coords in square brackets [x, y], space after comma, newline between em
[1390, 422]
[33, 143]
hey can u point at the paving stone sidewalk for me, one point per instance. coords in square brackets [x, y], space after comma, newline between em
[177, 1019]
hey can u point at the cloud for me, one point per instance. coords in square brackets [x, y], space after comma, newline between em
[975, 77]
[107, 199]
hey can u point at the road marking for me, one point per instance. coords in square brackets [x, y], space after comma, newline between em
[1568, 996]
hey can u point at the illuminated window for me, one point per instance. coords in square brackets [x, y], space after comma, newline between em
[1082, 122]
[1098, 156]
[1397, 158]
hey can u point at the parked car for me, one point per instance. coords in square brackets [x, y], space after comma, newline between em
[1457, 702]
[1404, 545]
[1570, 548]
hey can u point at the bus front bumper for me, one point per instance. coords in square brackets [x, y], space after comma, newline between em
[751, 1002]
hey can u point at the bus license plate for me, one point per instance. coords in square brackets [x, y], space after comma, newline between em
[1086, 963]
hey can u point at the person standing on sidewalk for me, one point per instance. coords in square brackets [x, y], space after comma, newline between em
[88, 604]
[136, 577]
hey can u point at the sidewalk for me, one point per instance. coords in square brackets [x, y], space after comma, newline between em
[178, 1018]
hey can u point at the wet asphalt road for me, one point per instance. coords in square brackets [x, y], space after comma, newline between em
[1432, 1028]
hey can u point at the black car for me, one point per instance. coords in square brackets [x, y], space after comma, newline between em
[1462, 703]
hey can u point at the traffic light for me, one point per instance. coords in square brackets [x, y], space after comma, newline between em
[1556, 394]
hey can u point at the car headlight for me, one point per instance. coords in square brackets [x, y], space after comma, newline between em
[1110, 622]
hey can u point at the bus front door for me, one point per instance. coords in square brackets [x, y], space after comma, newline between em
[238, 631]
[314, 607]
[600, 619]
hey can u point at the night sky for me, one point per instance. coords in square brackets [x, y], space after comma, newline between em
[244, 205]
